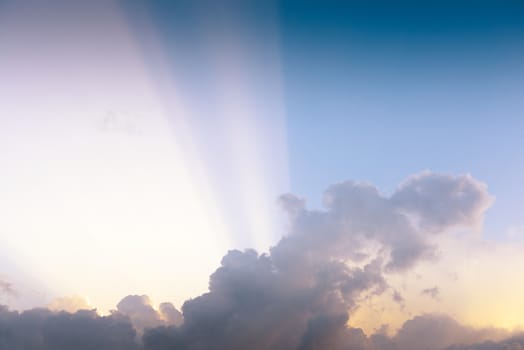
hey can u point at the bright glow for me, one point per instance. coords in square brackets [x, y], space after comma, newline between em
[102, 193]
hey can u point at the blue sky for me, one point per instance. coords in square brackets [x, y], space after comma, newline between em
[377, 90]
[414, 86]
[418, 115]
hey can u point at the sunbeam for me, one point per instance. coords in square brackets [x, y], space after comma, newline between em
[233, 118]
[271, 174]
[105, 169]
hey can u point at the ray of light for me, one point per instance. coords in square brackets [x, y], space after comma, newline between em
[94, 186]
[237, 127]
[107, 190]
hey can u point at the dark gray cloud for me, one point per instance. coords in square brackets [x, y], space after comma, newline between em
[436, 332]
[513, 343]
[252, 305]
[41, 329]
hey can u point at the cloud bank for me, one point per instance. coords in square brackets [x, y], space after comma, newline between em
[302, 293]
[42, 329]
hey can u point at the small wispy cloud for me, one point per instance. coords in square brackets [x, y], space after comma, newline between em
[124, 122]
[6, 288]
[433, 292]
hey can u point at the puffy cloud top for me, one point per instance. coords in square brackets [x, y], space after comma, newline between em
[441, 201]
[301, 294]
[139, 310]
[298, 296]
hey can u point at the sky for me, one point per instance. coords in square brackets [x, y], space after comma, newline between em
[312, 174]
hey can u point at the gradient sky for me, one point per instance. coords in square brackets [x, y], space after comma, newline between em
[387, 90]
[153, 136]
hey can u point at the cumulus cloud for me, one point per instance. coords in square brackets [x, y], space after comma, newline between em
[301, 294]
[436, 332]
[513, 343]
[357, 214]
[139, 310]
[68, 324]
[170, 315]
[442, 201]
[42, 329]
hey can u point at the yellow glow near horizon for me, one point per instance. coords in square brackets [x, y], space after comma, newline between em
[476, 287]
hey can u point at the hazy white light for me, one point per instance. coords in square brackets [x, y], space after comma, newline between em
[101, 194]
[95, 194]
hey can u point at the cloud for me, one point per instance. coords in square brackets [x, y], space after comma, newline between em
[302, 293]
[170, 315]
[398, 298]
[121, 122]
[6, 288]
[42, 329]
[83, 329]
[139, 310]
[358, 214]
[513, 343]
[437, 331]
[442, 201]
[476, 281]
[433, 292]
